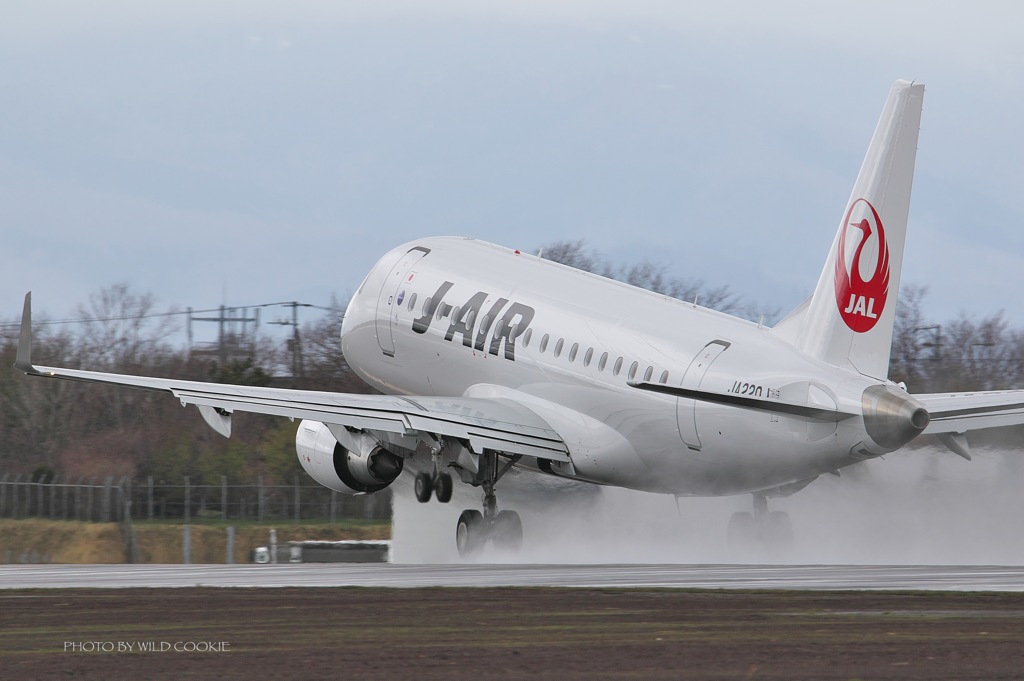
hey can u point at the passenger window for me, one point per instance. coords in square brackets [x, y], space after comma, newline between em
[664, 377]
[573, 351]
[632, 371]
[544, 343]
[412, 302]
[604, 361]
[618, 367]
[426, 304]
[648, 373]
[526, 338]
[558, 347]
[587, 357]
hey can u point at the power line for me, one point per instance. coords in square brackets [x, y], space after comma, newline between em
[150, 315]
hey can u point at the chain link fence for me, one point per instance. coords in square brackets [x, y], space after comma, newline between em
[110, 499]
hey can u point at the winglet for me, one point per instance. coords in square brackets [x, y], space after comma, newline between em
[23, 361]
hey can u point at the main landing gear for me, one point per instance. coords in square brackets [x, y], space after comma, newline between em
[770, 529]
[503, 528]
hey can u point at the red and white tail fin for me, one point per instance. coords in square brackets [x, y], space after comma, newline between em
[848, 322]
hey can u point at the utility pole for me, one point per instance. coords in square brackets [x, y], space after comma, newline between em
[236, 333]
[298, 370]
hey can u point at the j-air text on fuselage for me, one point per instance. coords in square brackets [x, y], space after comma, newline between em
[490, 358]
[507, 328]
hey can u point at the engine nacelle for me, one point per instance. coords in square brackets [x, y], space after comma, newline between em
[364, 468]
[892, 417]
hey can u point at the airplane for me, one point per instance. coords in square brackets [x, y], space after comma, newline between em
[490, 358]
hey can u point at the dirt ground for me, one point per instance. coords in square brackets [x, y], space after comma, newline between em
[294, 633]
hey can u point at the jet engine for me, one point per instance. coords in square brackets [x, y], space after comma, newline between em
[361, 466]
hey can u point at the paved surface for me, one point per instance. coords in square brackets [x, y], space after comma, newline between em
[828, 577]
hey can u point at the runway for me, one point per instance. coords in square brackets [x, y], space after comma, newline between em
[798, 577]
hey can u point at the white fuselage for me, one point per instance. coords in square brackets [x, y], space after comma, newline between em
[457, 317]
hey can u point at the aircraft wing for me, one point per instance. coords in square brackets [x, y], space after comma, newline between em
[497, 424]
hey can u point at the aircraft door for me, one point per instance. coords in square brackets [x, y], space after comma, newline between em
[395, 291]
[686, 409]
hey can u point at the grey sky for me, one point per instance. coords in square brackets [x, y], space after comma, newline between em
[275, 150]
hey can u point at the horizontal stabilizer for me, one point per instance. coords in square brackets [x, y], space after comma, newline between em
[773, 406]
[963, 412]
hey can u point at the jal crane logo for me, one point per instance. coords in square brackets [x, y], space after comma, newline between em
[862, 282]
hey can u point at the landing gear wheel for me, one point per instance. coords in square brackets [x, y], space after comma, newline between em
[470, 533]
[443, 487]
[507, 531]
[423, 487]
[778, 530]
[742, 530]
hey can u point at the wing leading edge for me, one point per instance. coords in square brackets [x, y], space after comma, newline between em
[496, 424]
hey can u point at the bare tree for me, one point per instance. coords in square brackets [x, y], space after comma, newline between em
[654, 277]
[326, 368]
[915, 342]
[37, 418]
[121, 329]
[975, 354]
[576, 254]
